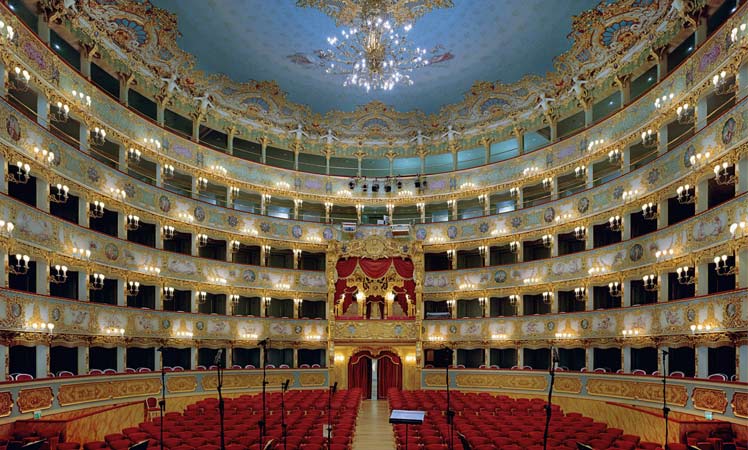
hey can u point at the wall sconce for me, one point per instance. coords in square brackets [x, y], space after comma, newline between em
[722, 174]
[81, 98]
[514, 193]
[21, 266]
[580, 233]
[686, 194]
[483, 249]
[133, 155]
[266, 198]
[663, 255]
[234, 191]
[296, 254]
[39, 326]
[297, 303]
[649, 211]
[722, 267]
[234, 299]
[21, 175]
[614, 156]
[202, 239]
[513, 299]
[699, 159]
[6, 230]
[467, 286]
[531, 280]
[83, 254]
[547, 297]
[702, 328]
[186, 217]
[114, 331]
[738, 33]
[663, 101]
[482, 199]
[297, 203]
[514, 247]
[201, 296]
[721, 85]
[630, 332]
[410, 358]
[597, 270]
[98, 137]
[219, 170]
[234, 245]
[167, 293]
[686, 275]
[451, 253]
[594, 145]
[152, 270]
[265, 250]
[451, 304]
[19, 79]
[737, 229]
[218, 280]
[499, 337]
[9, 32]
[615, 223]
[530, 171]
[132, 288]
[118, 194]
[629, 195]
[168, 232]
[59, 193]
[686, 114]
[266, 301]
[651, 282]
[482, 301]
[580, 293]
[547, 240]
[547, 183]
[615, 289]
[59, 112]
[96, 281]
[132, 222]
[201, 183]
[564, 335]
[167, 170]
[649, 138]
[59, 274]
[184, 334]
[580, 171]
[151, 143]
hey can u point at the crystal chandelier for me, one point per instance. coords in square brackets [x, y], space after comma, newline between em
[374, 52]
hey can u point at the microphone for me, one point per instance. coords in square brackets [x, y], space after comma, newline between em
[665, 352]
[264, 342]
[334, 387]
[285, 385]
[556, 358]
[217, 359]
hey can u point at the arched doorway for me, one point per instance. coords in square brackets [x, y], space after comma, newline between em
[389, 372]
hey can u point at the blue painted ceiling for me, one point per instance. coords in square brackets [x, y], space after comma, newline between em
[479, 40]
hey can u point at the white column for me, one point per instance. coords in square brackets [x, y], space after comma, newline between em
[554, 303]
[121, 359]
[742, 362]
[82, 285]
[158, 299]
[157, 359]
[82, 360]
[3, 172]
[589, 302]
[741, 170]
[42, 193]
[741, 262]
[554, 188]
[662, 136]
[590, 176]
[626, 159]
[702, 361]
[626, 297]
[42, 29]
[193, 358]
[626, 359]
[193, 302]
[702, 278]
[42, 110]
[83, 219]
[626, 231]
[701, 112]
[194, 191]
[42, 276]
[663, 209]
[702, 195]
[701, 31]
[3, 272]
[520, 357]
[589, 243]
[742, 81]
[588, 116]
[121, 228]
[589, 359]
[662, 64]
[159, 174]
[3, 362]
[662, 293]
[122, 161]
[121, 298]
[159, 237]
[3, 88]
[660, 367]
[42, 361]
[84, 146]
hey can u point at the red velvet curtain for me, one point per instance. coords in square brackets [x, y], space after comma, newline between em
[375, 268]
[389, 373]
[359, 373]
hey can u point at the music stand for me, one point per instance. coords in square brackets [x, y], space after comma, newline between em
[36, 445]
[269, 444]
[465, 443]
[407, 417]
[581, 446]
[142, 445]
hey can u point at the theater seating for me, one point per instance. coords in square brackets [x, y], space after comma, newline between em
[197, 427]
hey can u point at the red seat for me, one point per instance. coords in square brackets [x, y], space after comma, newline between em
[68, 446]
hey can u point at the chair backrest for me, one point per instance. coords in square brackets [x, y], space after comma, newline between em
[95, 372]
[677, 374]
[65, 373]
[315, 366]
[236, 366]
[129, 370]
[24, 377]
[201, 367]
[714, 376]
[656, 373]
[249, 366]
[270, 366]
[639, 372]
[109, 371]
[212, 367]
[151, 402]
[143, 369]
[178, 369]
[283, 366]
[600, 370]
[303, 366]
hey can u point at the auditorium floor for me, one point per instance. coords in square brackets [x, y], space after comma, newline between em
[373, 430]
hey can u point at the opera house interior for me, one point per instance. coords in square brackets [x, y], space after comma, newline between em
[374, 224]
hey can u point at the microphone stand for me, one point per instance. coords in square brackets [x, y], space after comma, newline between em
[665, 409]
[450, 413]
[221, 406]
[263, 343]
[548, 409]
[162, 402]
[284, 430]
[331, 391]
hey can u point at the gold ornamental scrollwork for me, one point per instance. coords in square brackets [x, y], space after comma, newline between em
[373, 247]
[375, 286]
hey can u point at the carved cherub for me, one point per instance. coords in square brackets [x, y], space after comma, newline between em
[298, 132]
[544, 103]
[680, 8]
[171, 84]
[577, 86]
[204, 103]
[329, 138]
[419, 138]
[450, 134]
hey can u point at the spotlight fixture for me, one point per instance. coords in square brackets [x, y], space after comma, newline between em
[351, 184]
[20, 175]
[21, 266]
[686, 194]
[722, 267]
[615, 289]
[98, 137]
[686, 275]
[59, 274]
[651, 282]
[364, 187]
[375, 186]
[649, 211]
[58, 193]
[722, 175]
[96, 281]
[132, 288]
